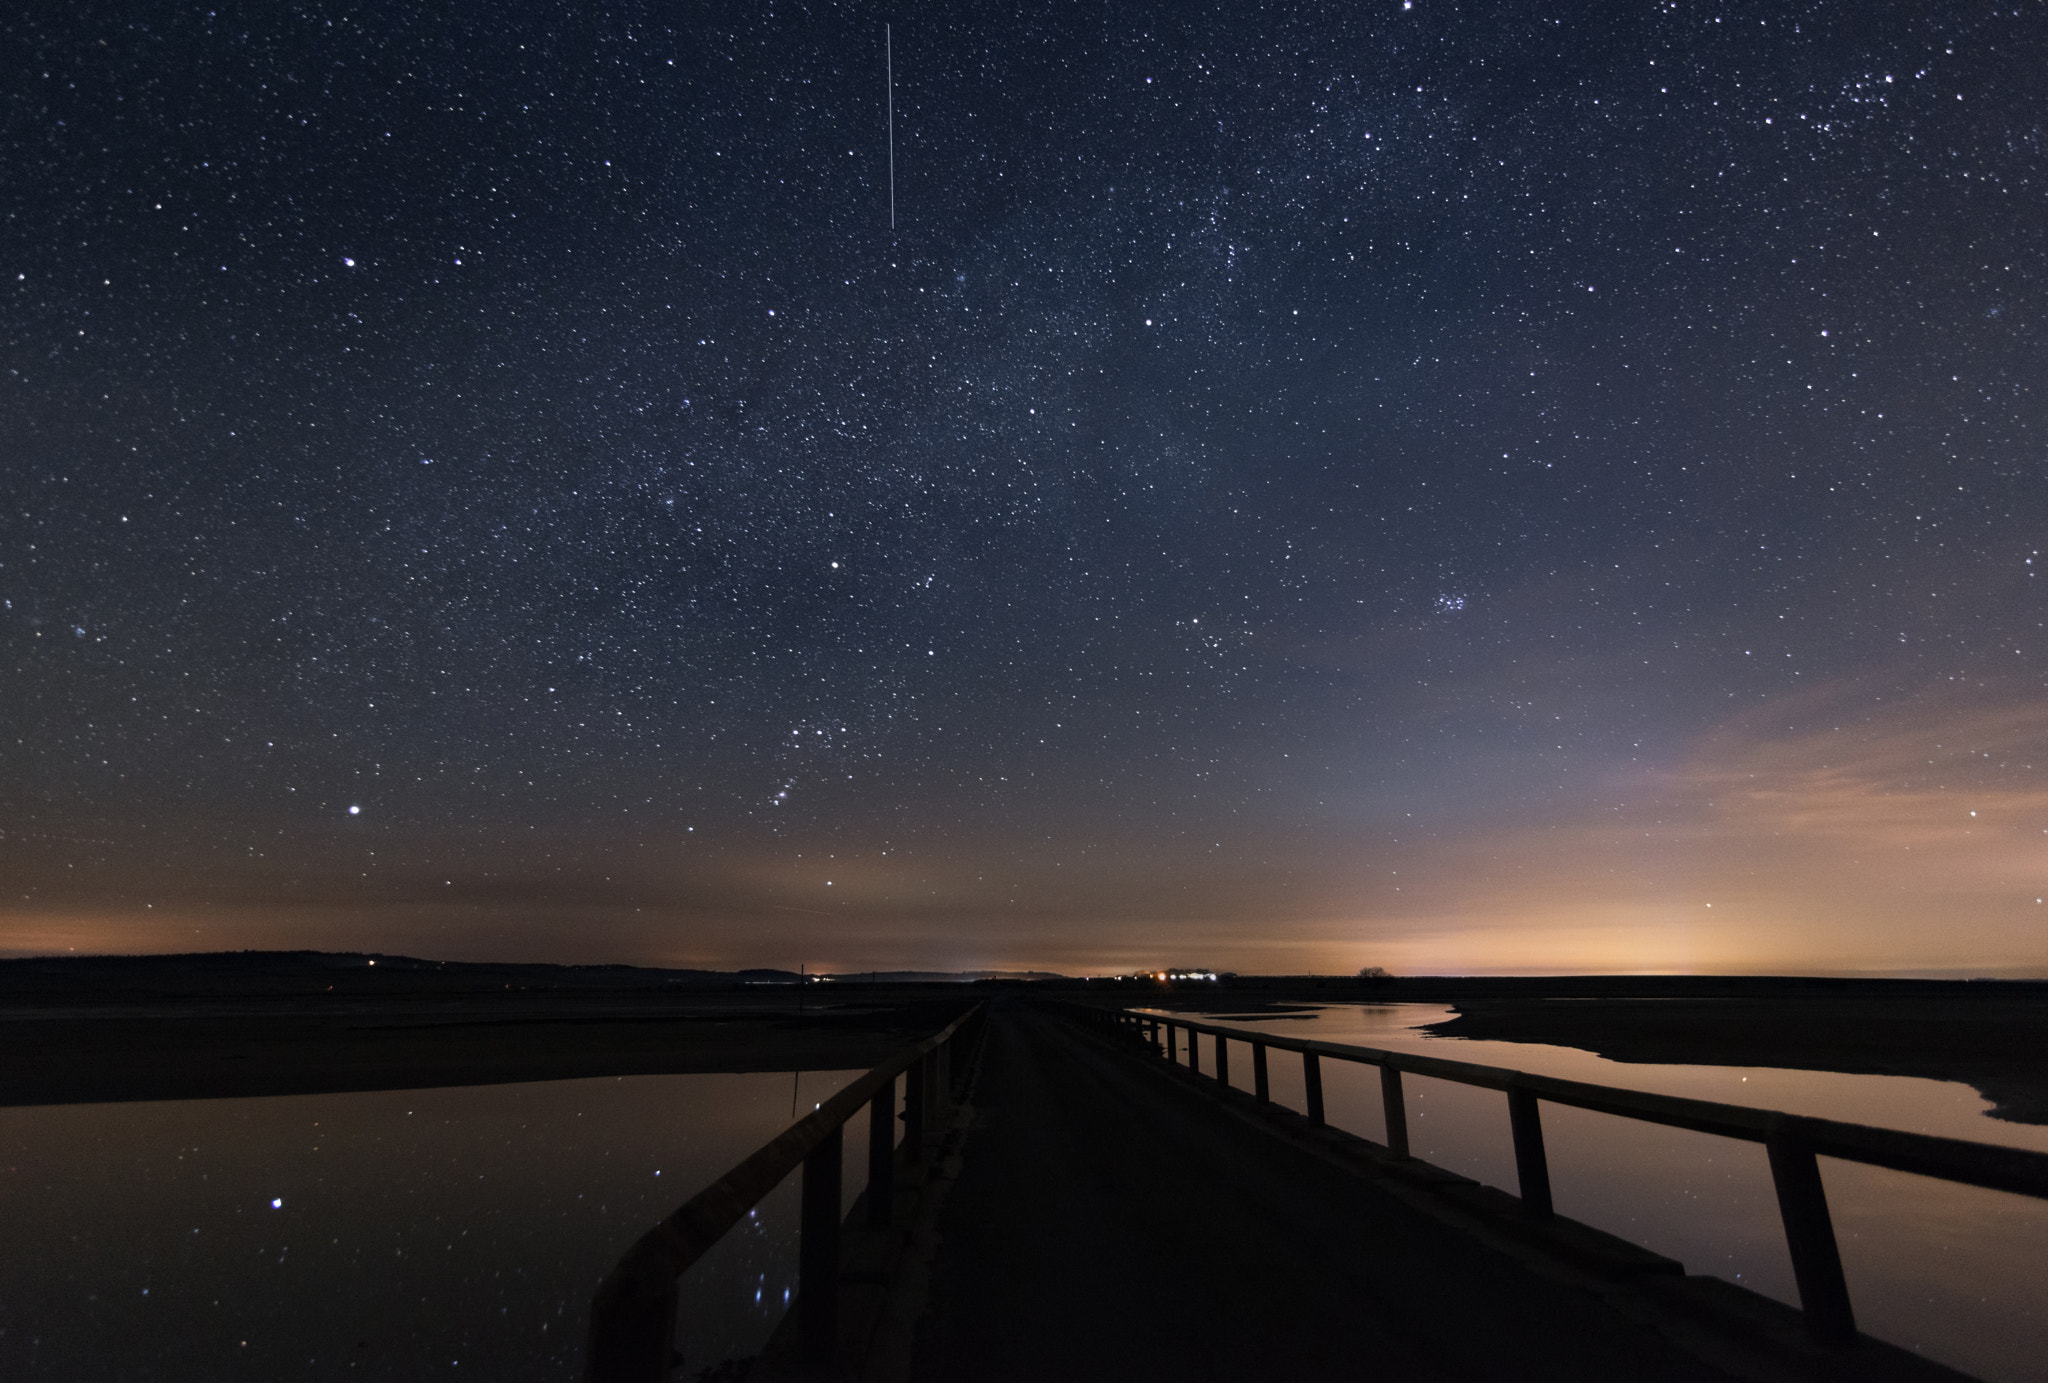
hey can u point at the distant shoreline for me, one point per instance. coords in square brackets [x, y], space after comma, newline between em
[1998, 1047]
[89, 1029]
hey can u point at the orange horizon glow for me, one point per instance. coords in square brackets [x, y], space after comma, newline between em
[1912, 841]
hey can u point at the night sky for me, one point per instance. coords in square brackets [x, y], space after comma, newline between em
[1470, 488]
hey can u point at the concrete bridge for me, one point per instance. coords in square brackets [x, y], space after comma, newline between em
[1068, 1204]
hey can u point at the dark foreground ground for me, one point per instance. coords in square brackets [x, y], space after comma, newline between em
[1990, 1035]
[197, 1028]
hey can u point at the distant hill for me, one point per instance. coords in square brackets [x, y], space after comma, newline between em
[58, 979]
[39, 980]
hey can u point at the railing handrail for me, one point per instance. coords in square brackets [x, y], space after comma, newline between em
[1990, 1165]
[1793, 1143]
[648, 1271]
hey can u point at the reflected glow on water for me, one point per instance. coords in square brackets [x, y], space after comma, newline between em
[456, 1232]
[1951, 1271]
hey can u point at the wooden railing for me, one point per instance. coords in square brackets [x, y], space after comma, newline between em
[633, 1316]
[1792, 1142]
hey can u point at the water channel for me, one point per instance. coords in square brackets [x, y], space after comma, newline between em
[445, 1233]
[458, 1232]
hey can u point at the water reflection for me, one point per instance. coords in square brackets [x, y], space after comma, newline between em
[453, 1232]
[1947, 1270]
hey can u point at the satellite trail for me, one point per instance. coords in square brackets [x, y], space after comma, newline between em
[889, 99]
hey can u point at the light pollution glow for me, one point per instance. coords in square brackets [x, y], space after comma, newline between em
[1911, 840]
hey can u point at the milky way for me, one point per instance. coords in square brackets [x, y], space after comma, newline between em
[1296, 489]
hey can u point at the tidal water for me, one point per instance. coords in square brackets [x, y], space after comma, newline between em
[1950, 1271]
[459, 1232]
[453, 1232]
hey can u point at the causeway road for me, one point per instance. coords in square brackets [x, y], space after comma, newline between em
[1112, 1221]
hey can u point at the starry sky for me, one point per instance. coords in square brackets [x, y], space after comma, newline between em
[1462, 488]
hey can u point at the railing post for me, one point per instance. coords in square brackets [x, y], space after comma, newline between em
[1172, 1045]
[913, 1113]
[1810, 1235]
[1194, 1051]
[1312, 1083]
[1261, 1091]
[633, 1330]
[633, 1312]
[1222, 1059]
[1532, 1169]
[817, 1288]
[881, 1154]
[1396, 1110]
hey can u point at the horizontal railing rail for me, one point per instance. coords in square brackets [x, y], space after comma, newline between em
[633, 1315]
[1792, 1142]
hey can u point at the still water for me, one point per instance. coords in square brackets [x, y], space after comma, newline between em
[459, 1232]
[1951, 1271]
[453, 1233]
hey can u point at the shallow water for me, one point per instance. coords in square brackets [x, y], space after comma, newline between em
[459, 1232]
[454, 1232]
[1951, 1271]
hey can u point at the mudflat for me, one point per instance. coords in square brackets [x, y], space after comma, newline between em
[1998, 1046]
[152, 1029]
[91, 1058]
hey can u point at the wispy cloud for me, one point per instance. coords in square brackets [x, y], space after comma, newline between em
[1834, 831]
